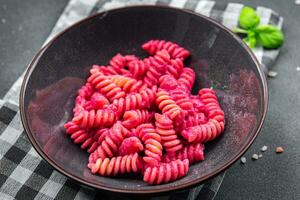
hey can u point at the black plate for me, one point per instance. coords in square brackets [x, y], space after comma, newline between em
[219, 58]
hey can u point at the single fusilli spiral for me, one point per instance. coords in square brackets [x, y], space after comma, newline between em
[204, 132]
[173, 49]
[133, 118]
[128, 84]
[142, 100]
[138, 69]
[164, 127]
[106, 86]
[105, 70]
[166, 172]
[155, 70]
[192, 152]
[153, 46]
[209, 98]
[119, 61]
[175, 67]
[152, 141]
[187, 78]
[87, 139]
[162, 57]
[182, 99]
[95, 118]
[110, 144]
[116, 165]
[167, 105]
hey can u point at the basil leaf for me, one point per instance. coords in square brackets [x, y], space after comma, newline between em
[250, 41]
[269, 36]
[248, 18]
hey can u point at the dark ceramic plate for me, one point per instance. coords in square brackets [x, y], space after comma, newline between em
[219, 58]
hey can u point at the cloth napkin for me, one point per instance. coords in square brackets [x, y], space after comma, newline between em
[25, 175]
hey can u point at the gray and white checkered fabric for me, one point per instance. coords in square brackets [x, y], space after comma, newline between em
[24, 175]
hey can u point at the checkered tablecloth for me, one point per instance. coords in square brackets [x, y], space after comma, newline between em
[23, 173]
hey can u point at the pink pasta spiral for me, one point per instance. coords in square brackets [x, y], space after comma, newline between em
[80, 136]
[95, 118]
[164, 127]
[166, 172]
[204, 132]
[175, 68]
[155, 70]
[167, 105]
[173, 49]
[106, 86]
[133, 118]
[192, 152]
[135, 101]
[128, 84]
[162, 57]
[187, 78]
[110, 144]
[138, 68]
[209, 98]
[105, 70]
[118, 62]
[182, 99]
[152, 141]
[116, 165]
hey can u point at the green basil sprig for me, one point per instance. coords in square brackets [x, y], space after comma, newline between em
[266, 35]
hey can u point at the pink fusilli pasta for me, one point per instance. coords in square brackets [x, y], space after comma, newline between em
[172, 48]
[167, 105]
[203, 133]
[209, 98]
[95, 118]
[110, 144]
[192, 152]
[164, 127]
[140, 116]
[166, 172]
[152, 141]
[106, 86]
[133, 118]
[116, 165]
[80, 136]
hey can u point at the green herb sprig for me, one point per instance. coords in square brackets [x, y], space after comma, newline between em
[268, 36]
